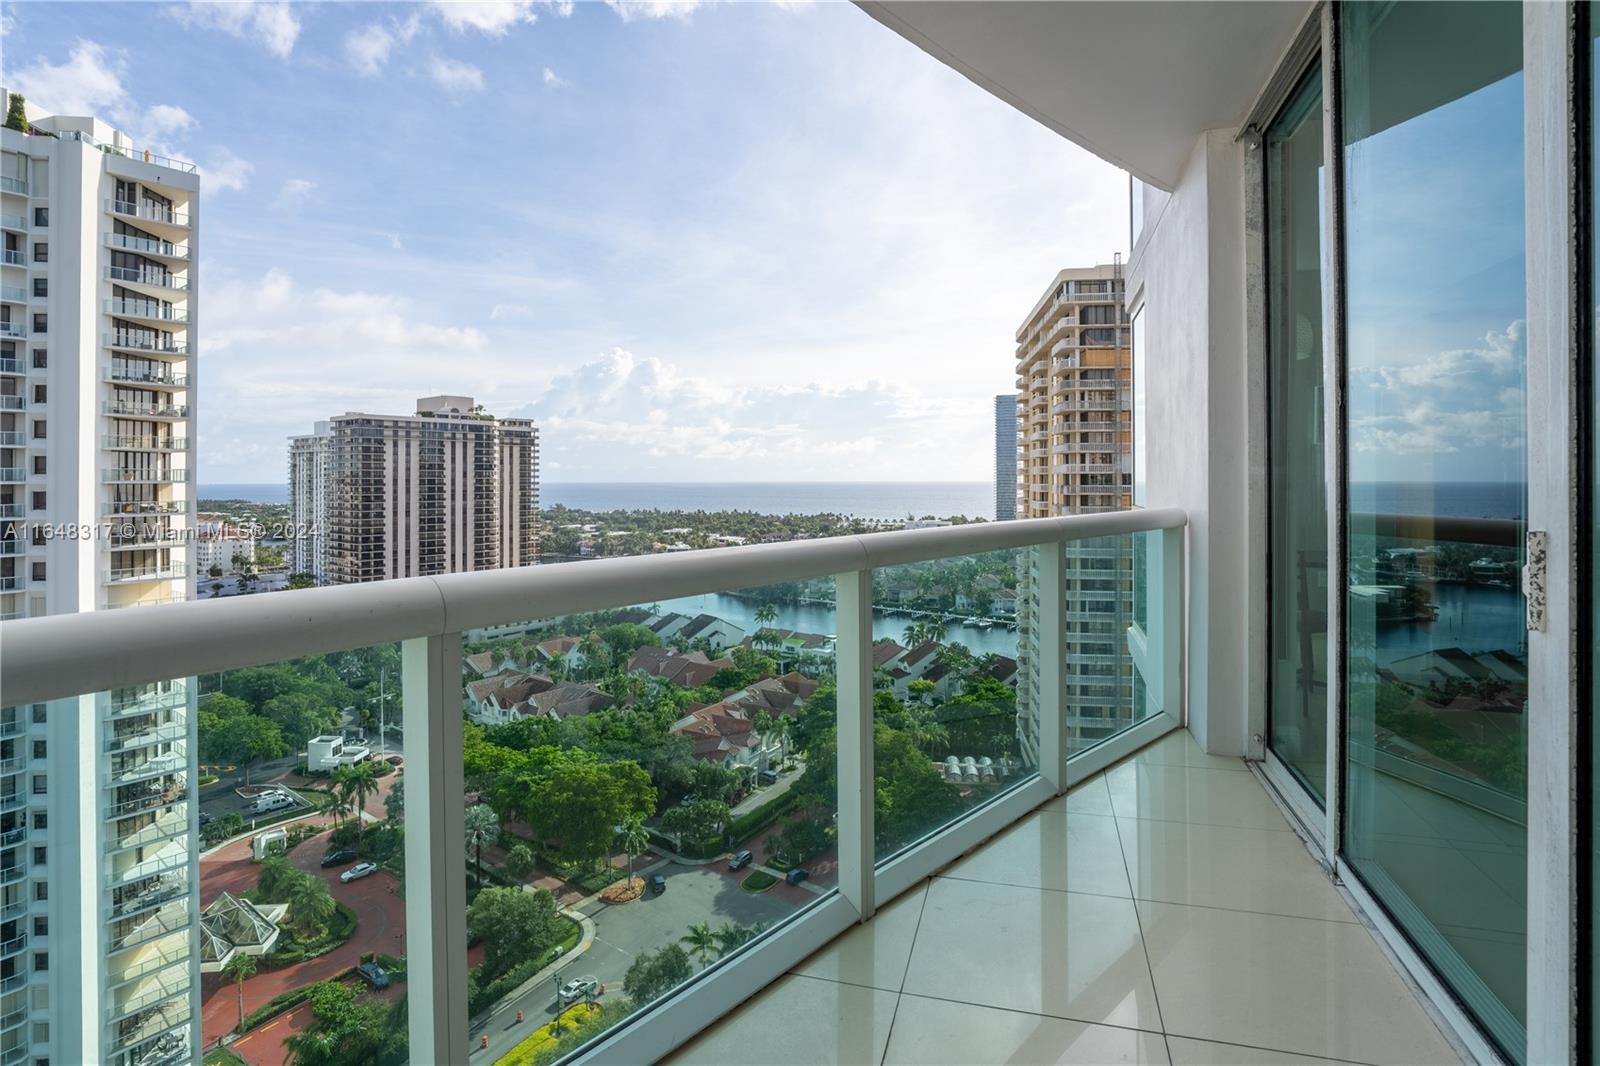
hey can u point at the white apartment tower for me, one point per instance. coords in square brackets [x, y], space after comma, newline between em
[99, 883]
[447, 489]
[1075, 439]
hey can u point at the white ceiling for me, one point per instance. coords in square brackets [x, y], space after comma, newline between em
[1133, 82]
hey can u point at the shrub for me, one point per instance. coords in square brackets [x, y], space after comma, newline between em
[759, 881]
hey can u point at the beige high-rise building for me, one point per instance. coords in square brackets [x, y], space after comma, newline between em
[444, 490]
[1075, 456]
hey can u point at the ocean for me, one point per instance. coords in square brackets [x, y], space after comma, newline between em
[861, 499]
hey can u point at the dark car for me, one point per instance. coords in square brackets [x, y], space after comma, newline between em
[338, 858]
[205, 819]
[795, 876]
[768, 777]
[740, 860]
[658, 885]
[373, 974]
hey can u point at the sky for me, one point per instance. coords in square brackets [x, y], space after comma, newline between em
[695, 242]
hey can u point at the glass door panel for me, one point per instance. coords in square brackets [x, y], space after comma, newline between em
[1298, 552]
[1437, 684]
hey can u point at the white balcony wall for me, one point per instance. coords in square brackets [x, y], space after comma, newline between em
[1188, 275]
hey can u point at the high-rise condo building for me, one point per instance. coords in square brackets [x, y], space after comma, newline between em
[1005, 457]
[447, 489]
[98, 876]
[1075, 434]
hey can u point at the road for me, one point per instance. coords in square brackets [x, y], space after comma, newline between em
[694, 894]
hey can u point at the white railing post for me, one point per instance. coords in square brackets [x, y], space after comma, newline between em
[853, 660]
[1052, 665]
[436, 858]
[1166, 619]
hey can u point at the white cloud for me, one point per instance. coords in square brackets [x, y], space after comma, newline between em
[369, 48]
[394, 242]
[274, 26]
[503, 311]
[88, 83]
[669, 418]
[226, 171]
[492, 17]
[552, 79]
[165, 119]
[633, 10]
[454, 76]
[295, 192]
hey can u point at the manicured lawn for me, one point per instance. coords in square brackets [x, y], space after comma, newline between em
[759, 881]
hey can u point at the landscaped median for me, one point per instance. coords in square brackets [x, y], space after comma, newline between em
[759, 881]
[572, 1027]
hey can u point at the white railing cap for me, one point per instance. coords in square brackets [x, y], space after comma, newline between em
[66, 655]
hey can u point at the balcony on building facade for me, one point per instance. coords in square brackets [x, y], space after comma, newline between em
[147, 310]
[151, 279]
[145, 345]
[126, 443]
[12, 475]
[148, 246]
[11, 184]
[148, 212]
[15, 330]
[163, 378]
[132, 409]
[12, 257]
[15, 294]
[10, 402]
[144, 476]
[8, 365]
[14, 222]
[166, 571]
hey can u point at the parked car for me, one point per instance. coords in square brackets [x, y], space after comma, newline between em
[339, 857]
[796, 875]
[658, 884]
[358, 871]
[373, 974]
[740, 860]
[768, 777]
[579, 988]
[275, 800]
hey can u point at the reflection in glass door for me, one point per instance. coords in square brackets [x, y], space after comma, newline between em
[1298, 552]
[1435, 796]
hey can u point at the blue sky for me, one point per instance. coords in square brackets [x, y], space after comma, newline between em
[697, 242]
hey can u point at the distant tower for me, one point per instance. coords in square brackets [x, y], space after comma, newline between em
[1005, 457]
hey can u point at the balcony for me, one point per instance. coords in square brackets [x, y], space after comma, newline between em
[149, 279]
[143, 477]
[144, 738]
[12, 257]
[144, 444]
[167, 571]
[145, 345]
[12, 475]
[130, 409]
[146, 246]
[16, 185]
[15, 330]
[10, 366]
[118, 508]
[159, 378]
[11, 403]
[13, 294]
[161, 216]
[147, 310]
[15, 222]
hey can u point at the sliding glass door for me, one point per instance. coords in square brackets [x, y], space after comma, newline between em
[1436, 691]
[1297, 500]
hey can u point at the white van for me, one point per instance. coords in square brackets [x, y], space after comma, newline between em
[271, 801]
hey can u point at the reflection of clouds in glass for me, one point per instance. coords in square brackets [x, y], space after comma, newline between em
[1450, 401]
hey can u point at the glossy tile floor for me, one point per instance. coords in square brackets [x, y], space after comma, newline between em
[1162, 912]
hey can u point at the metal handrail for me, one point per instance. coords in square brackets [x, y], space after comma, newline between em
[64, 655]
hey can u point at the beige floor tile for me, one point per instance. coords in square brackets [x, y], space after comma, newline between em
[1052, 849]
[1221, 866]
[1304, 986]
[875, 953]
[1189, 794]
[1087, 797]
[1186, 1052]
[934, 1032]
[1179, 748]
[1060, 953]
[799, 1020]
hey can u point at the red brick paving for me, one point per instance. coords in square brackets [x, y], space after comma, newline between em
[380, 926]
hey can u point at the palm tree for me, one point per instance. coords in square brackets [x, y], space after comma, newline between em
[342, 791]
[702, 942]
[731, 936]
[632, 839]
[483, 830]
[239, 969]
[362, 781]
[310, 906]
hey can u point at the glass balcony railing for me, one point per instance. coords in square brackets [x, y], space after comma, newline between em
[151, 476]
[148, 212]
[153, 309]
[15, 330]
[131, 409]
[147, 572]
[16, 185]
[10, 221]
[143, 342]
[160, 279]
[14, 293]
[145, 444]
[147, 246]
[12, 257]
[780, 738]
[10, 366]
[11, 403]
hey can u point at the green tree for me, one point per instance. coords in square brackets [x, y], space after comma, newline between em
[274, 875]
[360, 783]
[300, 715]
[514, 926]
[632, 839]
[344, 1031]
[701, 820]
[731, 936]
[580, 801]
[17, 115]
[483, 830]
[240, 968]
[701, 941]
[519, 862]
[311, 906]
[302, 581]
[394, 804]
[245, 740]
[654, 974]
[766, 614]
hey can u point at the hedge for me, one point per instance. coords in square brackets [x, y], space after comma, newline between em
[284, 1001]
[746, 826]
[759, 881]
